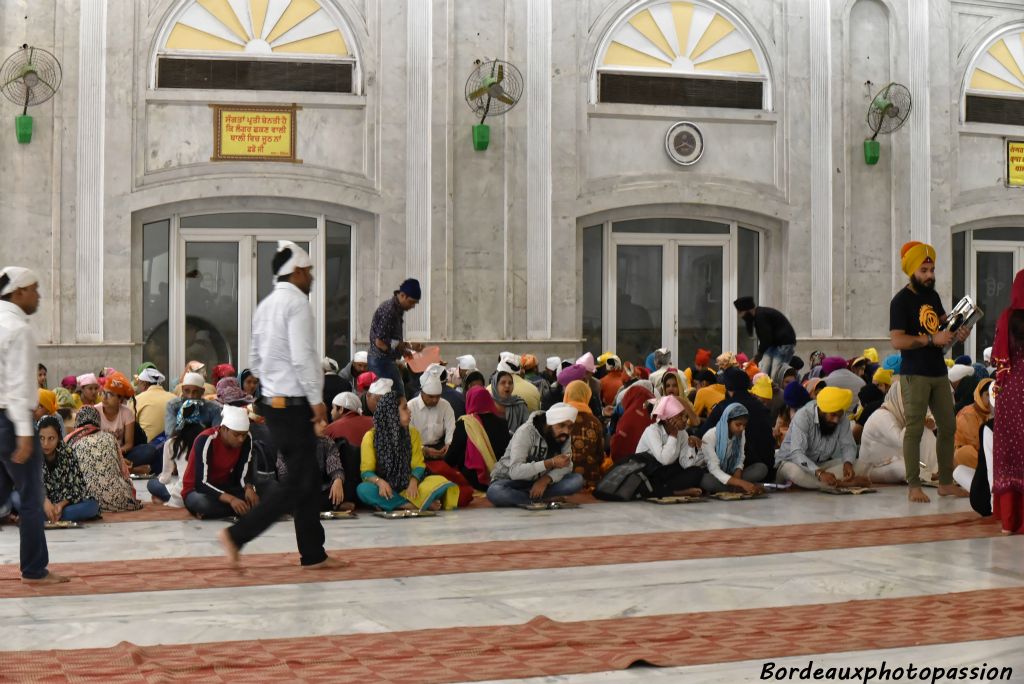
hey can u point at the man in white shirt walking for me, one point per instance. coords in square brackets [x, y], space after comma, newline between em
[284, 357]
[21, 459]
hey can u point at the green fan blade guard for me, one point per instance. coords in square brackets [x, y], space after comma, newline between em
[23, 126]
[872, 151]
[481, 137]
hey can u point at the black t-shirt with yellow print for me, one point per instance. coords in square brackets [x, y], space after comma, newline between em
[918, 313]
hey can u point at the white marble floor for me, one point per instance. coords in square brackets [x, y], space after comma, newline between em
[174, 616]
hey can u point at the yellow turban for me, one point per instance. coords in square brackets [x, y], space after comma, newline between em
[762, 388]
[914, 254]
[603, 358]
[48, 400]
[871, 354]
[882, 377]
[834, 399]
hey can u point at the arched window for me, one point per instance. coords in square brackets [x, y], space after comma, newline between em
[994, 85]
[299, 45]
[684, 54]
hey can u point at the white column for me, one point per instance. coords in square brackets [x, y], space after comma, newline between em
[538, 169]
[821, 166]
[920, 164]
[419, 59]
[92, 69]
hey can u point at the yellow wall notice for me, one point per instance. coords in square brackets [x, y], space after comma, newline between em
[1015, 163]
[260, 134]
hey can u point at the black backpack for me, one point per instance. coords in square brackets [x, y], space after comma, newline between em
[628, 480]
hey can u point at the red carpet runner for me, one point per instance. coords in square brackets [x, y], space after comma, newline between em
[544, 647]
[378, 563]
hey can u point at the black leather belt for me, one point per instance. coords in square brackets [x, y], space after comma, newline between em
[283, 402]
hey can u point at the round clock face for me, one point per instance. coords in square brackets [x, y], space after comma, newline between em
[684, 143]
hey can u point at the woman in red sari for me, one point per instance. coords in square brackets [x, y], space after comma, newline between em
[635, 419]
[1008, 455]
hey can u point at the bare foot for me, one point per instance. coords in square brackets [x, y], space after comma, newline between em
[407, 507]
[230, 548]
[328, 563]
[436, 506]
[692, 491]
[917, 495]
[51, 578]
[952, 490]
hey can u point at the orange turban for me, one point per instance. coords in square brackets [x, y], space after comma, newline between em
[118, 385]
[914, 254]
[48, 400]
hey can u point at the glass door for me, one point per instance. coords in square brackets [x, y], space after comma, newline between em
[211, 302]
[994, 265]
[700, 315]
[672, 293]
[639, 296]
[221, 276]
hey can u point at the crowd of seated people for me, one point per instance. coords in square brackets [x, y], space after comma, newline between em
[460, 436]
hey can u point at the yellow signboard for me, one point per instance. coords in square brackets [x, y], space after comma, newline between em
[1015, 163]
[254, 133]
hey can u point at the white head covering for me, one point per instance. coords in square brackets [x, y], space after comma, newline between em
[18, 278]
[560, 413]
[381, 386]
[235, 418]
[587, 361]
[430, 384]
[959, 372]
[509, 362]
[987, 354]
[152, 376]
[193, 380]
[87, 379]
[348, 401]
[329, 365]
[299, 258]
[361, 357]
[466, 363]
[553, 364]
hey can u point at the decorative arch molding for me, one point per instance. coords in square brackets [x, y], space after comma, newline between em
[996, 66]
[684, 38]
[279, 30]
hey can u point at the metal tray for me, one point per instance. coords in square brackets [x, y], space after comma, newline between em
[549, 505]
[392, 515]
[63, 525]
[147, 476]
[736, 496]
[338, 515]
[847, 490]
[669, 500]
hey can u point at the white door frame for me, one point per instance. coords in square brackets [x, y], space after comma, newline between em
[670, 244]
[247, 241]
[971, 276]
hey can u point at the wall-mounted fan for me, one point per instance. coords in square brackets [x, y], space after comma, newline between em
[30, 76]
[889, 110]
[494, 87]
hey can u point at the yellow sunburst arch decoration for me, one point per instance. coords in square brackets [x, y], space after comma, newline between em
[693, 38]
[310, 30]
[997, 69]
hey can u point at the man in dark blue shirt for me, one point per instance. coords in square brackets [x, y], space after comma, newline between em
[386, 334]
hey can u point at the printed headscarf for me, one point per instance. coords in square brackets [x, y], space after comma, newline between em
[392, 443]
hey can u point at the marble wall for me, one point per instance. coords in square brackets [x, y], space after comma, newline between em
[606, 161]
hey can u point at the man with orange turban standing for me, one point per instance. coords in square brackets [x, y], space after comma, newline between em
[915, 315]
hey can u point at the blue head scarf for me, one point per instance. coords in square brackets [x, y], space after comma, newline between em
[649, 362]
[189, 412]
[893, 362]
[726, 446]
